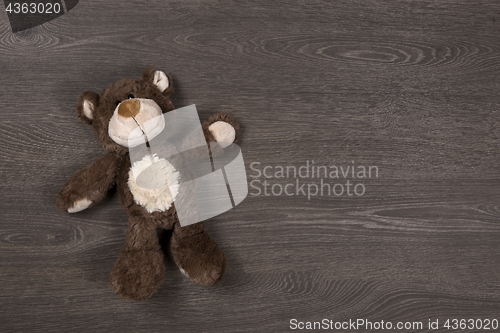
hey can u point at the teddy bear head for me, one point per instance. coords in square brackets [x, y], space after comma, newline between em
[125, 107]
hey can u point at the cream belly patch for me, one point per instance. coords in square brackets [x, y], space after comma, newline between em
[154, 183]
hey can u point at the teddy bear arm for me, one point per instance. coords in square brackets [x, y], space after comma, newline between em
[89, 185]
[221, 128]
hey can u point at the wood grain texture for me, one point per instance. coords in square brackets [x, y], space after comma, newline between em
[408, 86]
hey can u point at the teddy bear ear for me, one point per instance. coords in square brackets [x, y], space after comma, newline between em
[87, 105]
[161, 80]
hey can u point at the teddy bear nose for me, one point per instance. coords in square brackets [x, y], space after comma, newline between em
[129, 108]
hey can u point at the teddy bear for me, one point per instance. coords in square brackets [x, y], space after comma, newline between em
[114, 114]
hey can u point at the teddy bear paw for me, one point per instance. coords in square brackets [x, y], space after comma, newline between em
[223, 132]
[80, 205]
[137, 274]
[199, 258]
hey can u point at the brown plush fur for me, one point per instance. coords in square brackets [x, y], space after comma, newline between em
[139, 269]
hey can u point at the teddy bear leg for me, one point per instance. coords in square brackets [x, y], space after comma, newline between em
[197, 255]
[139, 270]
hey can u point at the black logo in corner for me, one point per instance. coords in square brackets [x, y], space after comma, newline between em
[25, 14]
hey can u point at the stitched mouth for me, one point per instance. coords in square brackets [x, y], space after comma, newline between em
[142, 129]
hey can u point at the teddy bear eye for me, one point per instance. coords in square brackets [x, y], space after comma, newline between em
[130, 96]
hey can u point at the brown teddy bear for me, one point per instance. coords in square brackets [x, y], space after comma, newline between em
[116, 112]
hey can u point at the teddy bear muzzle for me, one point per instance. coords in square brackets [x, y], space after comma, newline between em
[136, 121]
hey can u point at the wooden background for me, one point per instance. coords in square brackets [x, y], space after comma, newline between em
[409, 86]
